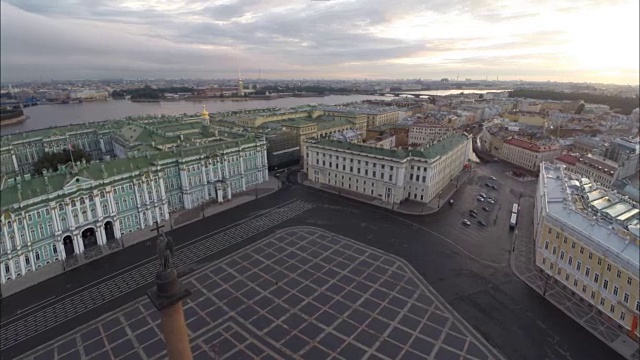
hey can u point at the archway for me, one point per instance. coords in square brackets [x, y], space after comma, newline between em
[67, 242]
[109, 231]
[89, 238]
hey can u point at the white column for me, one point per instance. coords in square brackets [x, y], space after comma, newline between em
[153, 192]
[77, 244]
[98, 206]
[211, 176]
[6, 237]
[15, 233]
[12, 268]
[162, 189]
[32, 259]
[60, 248]
[244, 182]
[22, 266]
[146, 195]
[112, 202]
[157, 210]
[226, 168]
[100, 235]
[57, 226]
[219, 170]
[67, 207]
[3, 276]
[204, 174]
[138, 200]
[165, 207]
[229, 192]
[116, 227]
[183, 179]
[26, 234]
[264, 155]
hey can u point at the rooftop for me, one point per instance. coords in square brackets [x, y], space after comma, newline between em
[600, 163]
[528, 145]
[427, 152]
[563, 203]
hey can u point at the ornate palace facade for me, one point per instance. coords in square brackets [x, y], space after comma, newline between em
[145, 168]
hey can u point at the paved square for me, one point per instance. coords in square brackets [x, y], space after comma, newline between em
[301, 293]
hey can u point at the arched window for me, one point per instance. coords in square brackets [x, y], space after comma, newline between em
[41, 230]
[73, 203]
[82, 201]
[27, 261]
[9, 225]
[133, 200]
[36, 254]
[84, 215]
[63, 221]
[23, 237]
[117, 205]
[124, 203]
[75, 217]
[7, 269]
[54, 249]
[90, 198]
[102, 195]
[49, 228]
[19, 221]
[60, 207]
[105, 210]
[93, 212]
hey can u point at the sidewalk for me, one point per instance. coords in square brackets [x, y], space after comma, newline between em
[523, 265]
[177, 219]
[410, 207]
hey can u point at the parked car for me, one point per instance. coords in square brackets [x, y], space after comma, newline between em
[482, 223]
[485, 208]
[479, 198]
[494, 187]
[492, 178]
[491, 201]
[473, 215]
[487, 184]
[483, 195]
[466, 222]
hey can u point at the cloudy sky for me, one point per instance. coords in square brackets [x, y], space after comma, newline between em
[562, 40]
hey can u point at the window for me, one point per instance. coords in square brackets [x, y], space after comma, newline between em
[564, 240]
[587, 271]
[575, 282]
[546, 245]
[555, 250]
[612, 308]
[599, 261]
[60, 207]
[561, 255]
[605, 284]
[628, 280]
[570, 260]
[37, 255]
[54, 249]
[573, 245]
[27, 261]
[581, 250]
[625, 298]
[615, 290]
[638, 305]
[596, 277]
[593, 295]
[578, 265]
[601, 301]
[73, 203]
[566, 277]
[49, 228]
[590, 256]
[82, 201]
[618, 274]
[29, 218]
[622, 315]
[549, 231]
[557, 236]
[608, 267]
[584, 288]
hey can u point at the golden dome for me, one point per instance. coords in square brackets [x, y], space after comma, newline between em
[204, 114]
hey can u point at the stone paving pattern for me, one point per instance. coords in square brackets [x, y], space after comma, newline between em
[601, 325]
[300, 293]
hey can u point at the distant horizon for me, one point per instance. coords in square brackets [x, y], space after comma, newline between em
[450, 81]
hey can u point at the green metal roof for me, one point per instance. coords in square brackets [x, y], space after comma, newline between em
[428, 152]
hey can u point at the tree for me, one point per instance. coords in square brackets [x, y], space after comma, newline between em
[52, 161]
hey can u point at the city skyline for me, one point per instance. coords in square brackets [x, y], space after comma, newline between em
[557, 41]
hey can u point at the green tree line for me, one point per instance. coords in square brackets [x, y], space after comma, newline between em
[618, 104]
[52, 161]
[148, 92]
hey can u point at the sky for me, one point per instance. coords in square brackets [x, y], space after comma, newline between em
[538, 40]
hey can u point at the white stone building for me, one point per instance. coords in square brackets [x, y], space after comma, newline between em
[391, 175]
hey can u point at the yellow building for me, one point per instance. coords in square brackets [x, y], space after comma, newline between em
[587, 240]
[527, 118]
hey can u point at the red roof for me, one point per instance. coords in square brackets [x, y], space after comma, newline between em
[528, 145]
[567, 159]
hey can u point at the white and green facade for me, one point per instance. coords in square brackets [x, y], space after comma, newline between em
[61, 214]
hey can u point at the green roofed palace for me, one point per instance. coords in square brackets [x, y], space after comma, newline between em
[142, 169]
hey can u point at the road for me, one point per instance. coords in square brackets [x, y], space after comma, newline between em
[467, 266]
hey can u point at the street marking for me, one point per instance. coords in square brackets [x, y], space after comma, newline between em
[14, 333]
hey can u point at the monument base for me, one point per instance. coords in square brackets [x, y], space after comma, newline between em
[169, 290]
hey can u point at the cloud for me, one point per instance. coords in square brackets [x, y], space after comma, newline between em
[342, 38]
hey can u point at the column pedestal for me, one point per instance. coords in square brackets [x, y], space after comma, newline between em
[167, 298]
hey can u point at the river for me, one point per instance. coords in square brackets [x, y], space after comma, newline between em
[44, 116]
